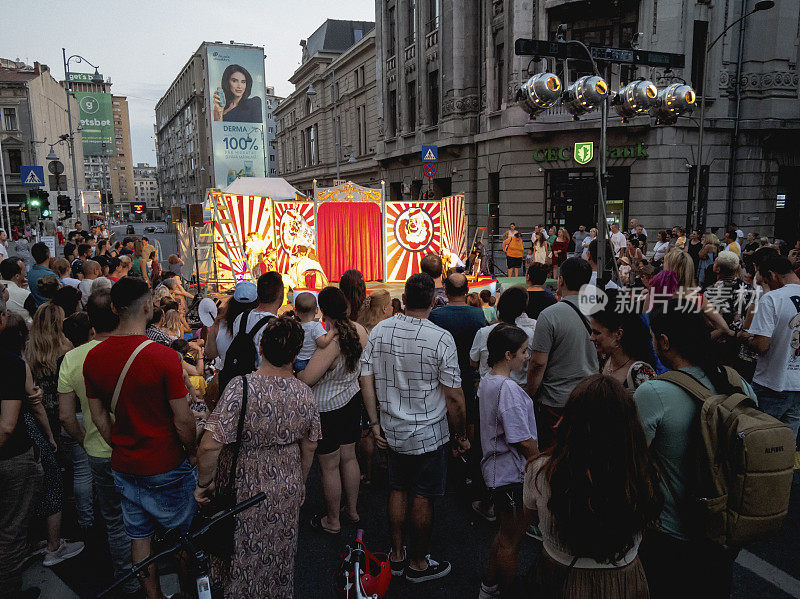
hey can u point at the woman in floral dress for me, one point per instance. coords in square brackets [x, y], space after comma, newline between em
[280, 434]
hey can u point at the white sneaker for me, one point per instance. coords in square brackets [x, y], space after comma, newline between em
[65, 551]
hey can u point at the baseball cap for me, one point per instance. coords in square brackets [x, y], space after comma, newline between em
[245, 292]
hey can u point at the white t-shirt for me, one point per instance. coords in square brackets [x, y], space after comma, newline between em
[3, 252]
[252, 320]
[313, 330]
[619, 242]
[778, 316]
[86, 290]
[480, 353]
[71, 282]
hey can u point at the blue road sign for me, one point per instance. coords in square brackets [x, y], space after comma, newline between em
[430, 153]
[32, 176]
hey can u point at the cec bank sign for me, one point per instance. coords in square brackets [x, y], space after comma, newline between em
[583, 152]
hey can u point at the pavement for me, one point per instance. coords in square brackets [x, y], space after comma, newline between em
[767, 570]
[167, 244]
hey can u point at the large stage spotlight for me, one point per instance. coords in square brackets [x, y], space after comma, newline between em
[539, 93]
[584, 95]
[672, 101]
[635, 98]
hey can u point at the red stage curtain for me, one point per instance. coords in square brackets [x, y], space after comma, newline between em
[349, 236]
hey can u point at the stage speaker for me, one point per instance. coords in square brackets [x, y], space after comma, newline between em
[195, 214]
[176, 214]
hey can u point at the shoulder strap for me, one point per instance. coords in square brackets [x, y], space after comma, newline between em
[579, 313]
[688, 383]
[243, 322]
[238, 444]
[259, 325]
[121, 379]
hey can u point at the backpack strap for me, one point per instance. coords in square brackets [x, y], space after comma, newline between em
[688, 383]
[121, 379]
[579, 313]
[259, 325]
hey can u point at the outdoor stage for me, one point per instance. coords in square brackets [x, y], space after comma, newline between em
[259, 225]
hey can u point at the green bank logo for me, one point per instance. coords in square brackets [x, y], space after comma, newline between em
[584, 151]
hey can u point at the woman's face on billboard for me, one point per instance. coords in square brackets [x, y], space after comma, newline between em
[238, 84]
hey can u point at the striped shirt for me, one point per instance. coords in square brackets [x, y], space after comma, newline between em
[412, 360]
[336, 387]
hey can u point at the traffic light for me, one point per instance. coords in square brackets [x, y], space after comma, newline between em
[46, 213]
[64, 205]
[34, 199]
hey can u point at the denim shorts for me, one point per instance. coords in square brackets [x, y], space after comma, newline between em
[424, 474]
[300, 365]
[166, 499]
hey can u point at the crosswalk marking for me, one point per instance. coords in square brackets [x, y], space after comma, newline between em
[772, 574]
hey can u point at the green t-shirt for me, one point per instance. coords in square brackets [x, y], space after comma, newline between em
[70, 380]
[670, 420]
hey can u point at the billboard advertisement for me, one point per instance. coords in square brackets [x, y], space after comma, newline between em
[236, 99]
[97, 123]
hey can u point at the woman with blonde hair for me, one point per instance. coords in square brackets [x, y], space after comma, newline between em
[587, 240]
[707, 254]
[46, 345]
[681, 264]
[172, 324]
[140, 268]
[376, 307]
[121, 266]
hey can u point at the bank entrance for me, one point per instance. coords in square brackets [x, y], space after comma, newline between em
[571, 196]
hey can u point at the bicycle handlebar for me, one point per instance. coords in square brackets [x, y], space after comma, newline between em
[185, 539]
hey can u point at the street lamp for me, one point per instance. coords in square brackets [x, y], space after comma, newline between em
[758, 7]
[97, 79]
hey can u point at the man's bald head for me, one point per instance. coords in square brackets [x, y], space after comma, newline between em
[455, 285]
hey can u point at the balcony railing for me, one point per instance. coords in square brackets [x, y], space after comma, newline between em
[432, 25]
[432, 39]
[391, 63]
[410, 52]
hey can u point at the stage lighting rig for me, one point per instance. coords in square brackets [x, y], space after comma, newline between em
[539, 93]
[673, 101]
[584, 95]
[636, 97]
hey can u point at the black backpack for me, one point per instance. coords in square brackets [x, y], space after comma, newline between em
[241, 356]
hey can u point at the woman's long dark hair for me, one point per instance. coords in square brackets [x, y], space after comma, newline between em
[355, 291]
[226, 85]
[636, 341]
[689, 336]
[604, 486]
[334, 305]
[232, 309]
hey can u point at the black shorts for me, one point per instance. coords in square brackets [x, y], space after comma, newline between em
[508, 499]
[340, 427]
[422, 474]
[513, 262]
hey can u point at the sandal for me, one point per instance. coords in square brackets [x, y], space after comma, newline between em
[316, 523]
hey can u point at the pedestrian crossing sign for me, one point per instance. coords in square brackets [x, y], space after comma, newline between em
[32, 176]
[430, 153]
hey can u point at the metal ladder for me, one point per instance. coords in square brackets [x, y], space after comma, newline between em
[216, 240]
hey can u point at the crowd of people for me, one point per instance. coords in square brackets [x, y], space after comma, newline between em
[568, 433]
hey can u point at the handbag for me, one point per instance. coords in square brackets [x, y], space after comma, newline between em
[218, 541]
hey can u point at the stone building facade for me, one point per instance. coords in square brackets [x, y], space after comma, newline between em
[338, 59]
[33, 114]
[448, 75]
[271, 103]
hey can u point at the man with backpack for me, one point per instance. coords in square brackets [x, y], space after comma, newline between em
[706, 518]
[243, 356]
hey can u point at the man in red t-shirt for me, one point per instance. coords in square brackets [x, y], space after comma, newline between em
[152, 435]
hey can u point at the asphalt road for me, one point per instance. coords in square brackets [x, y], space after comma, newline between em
[166, 241]
[769, 570]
